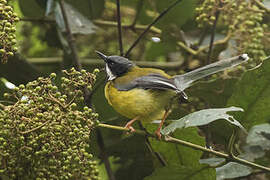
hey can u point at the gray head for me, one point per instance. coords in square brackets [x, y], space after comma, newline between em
[116, 66]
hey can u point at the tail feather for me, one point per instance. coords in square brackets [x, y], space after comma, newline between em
[185, 80]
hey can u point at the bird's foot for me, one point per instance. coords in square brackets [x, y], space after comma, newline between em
[131, 129]
[158, 134]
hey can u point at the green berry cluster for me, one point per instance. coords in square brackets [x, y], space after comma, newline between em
[206, 12]
[244, 20]
[8, 18]
[45, 133]
[250, 31]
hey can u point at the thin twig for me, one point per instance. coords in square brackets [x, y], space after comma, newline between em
[104, 155]
[70, 38]
[148, 143]
[100, 64]
[193, 146]
[212, 37]
[38, 20]
[150, 25]
[218, 42]
[262, 6]
[100, 23]
[55, 100]
[119, 28]
[36, 128]
[202, 37]
[127, 26]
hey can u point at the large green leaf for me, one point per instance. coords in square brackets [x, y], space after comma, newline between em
[18, 71]
[133, 158]
[257, 143]
[90, 8]
[203, 117]
[232, 170]
[252, 93]
[145, 10]
[179, 14]
[175, 154]
[229, 170]
[212, 161]
[78, 23]
[258, 136]
[201, 172]
[215, 93]
[37, 9]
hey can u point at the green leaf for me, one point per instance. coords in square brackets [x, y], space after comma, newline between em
[18, 71]
[203, 117]
[78, 23]
[229, 170]
[214, 92]
[91, 8]
[252, 93]
[232, 170]
[133, 158]
[36, 10]
[202, 172]
[175, 154]
[179, 14]
[146, 10]
[212, 161]
[258, 136]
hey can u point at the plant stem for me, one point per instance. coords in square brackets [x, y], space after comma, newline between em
[150, 25]
[70, 38]
[212, 37]
[261, 5]
[119, 28]
[170, 139]
[104, 155]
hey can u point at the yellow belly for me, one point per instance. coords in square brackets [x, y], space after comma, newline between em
[148, 105]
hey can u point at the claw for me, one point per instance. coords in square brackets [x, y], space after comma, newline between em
[131, 129]
[128, 125]
[158, 134]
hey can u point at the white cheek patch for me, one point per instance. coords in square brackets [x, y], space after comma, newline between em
[109, 73]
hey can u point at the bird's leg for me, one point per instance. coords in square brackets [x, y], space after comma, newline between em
[128, 125]
[161, 124]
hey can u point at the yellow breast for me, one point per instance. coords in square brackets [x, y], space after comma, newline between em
[148, 105]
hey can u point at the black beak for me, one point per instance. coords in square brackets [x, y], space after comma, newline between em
[103, 56]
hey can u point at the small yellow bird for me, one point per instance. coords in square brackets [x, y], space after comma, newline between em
[146, 94]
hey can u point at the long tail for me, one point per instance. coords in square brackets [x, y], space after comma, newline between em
[185, 80]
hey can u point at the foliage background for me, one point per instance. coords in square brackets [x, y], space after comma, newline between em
[178, 42]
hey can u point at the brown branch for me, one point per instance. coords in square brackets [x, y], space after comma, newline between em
[119, 28]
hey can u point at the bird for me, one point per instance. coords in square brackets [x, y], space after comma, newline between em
[147, 94]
